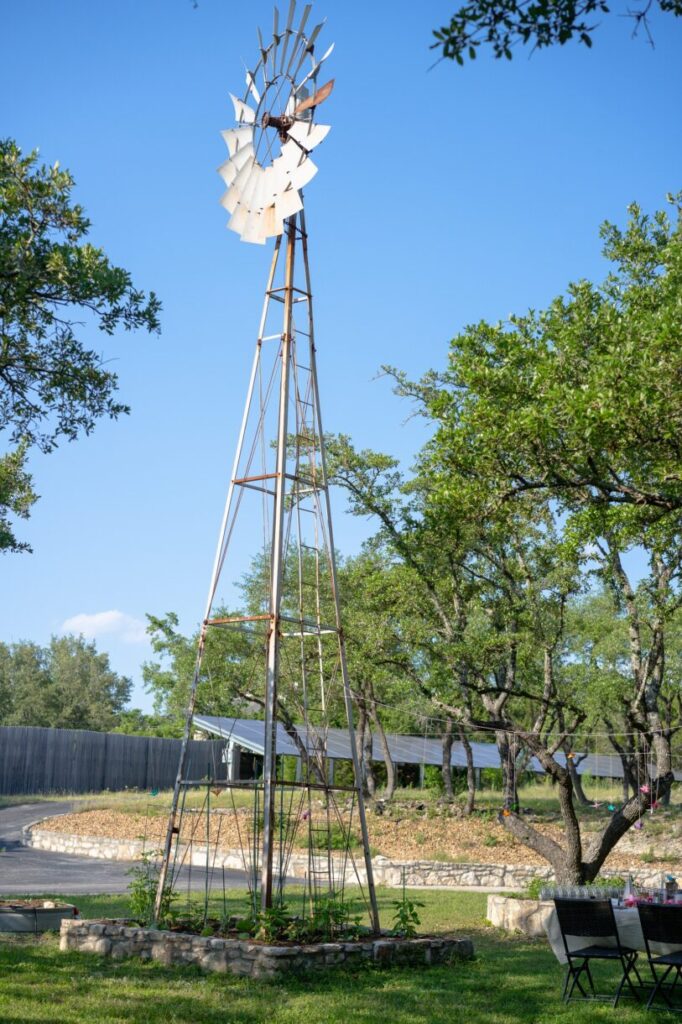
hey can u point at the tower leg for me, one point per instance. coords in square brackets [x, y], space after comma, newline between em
[273, 658]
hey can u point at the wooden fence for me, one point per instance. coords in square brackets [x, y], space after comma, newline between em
[35, 760]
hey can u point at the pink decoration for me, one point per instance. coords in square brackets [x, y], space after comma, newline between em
[639, 824]
[644, 789]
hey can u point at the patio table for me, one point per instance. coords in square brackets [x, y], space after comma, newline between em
[629, 931]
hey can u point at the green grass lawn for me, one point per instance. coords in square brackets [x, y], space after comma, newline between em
[511, 980]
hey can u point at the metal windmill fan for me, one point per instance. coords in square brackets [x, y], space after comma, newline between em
[269, 161]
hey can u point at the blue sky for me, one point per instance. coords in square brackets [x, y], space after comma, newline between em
[444, 196]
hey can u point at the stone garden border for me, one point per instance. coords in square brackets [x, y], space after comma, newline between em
[252, 959]
[416, 873]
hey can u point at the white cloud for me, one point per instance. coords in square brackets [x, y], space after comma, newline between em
[126, 628]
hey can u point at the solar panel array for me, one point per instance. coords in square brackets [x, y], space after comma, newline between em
[248, 734]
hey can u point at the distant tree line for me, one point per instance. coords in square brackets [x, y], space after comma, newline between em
[66, 685]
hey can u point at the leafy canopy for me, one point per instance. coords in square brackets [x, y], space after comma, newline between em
[503, 24]
[54, 288]
[52, 385]
[580, 402]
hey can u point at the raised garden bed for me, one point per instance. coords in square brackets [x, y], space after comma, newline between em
[248, 957]
[34, 915]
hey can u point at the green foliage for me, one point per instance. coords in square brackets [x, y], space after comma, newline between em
[433, 778]
[406, 919]
[229, 660]
[273, 923]
[337, 837]
[66, 685]
[16, 496]
[142, 888]
[331, 918]
[52, 386]
[502, 24]
[575, 401]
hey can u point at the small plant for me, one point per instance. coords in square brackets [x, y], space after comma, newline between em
[491, 841]
[649, 857]
[142, 890]
[534, 888]
[273, 924]
[406, 918]
[332, 917]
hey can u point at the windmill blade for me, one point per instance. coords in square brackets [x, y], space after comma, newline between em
[237, 221]
[269, 186]
[242, 111]
[265, 55]
[281, 179]
[310, 45]
[251, 85]
[315, 68]
[275, 41]
[313, 36]
[253, 229]
[288, 203]
[251, 188]
[314, 101]
[287, 33]
[230, 169]
[243, 174]
[299, 35]
[302, 174]
[230, 199]
[237, 138]
[291, 156]
[308, 135]
[272, 224]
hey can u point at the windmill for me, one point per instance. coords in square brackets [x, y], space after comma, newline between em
[294, 627]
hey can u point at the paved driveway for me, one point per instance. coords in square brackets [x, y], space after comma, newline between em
[23, 870]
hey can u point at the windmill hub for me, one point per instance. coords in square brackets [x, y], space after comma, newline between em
[282, 124]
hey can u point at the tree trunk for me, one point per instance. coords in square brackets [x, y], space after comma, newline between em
[446, 764]
[360, 729]
[388, 760]
[576, 779]
[367, 762]
[471, 772]
[507, 748]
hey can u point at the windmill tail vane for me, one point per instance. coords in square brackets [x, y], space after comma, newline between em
[285, 638]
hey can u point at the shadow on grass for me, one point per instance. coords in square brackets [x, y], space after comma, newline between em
[509, 982]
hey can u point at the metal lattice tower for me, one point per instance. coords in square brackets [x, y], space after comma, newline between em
[280, 460]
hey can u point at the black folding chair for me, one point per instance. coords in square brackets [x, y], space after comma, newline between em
[593, 919]
[662, 924]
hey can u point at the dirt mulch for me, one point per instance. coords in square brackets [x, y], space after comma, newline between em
[473, 840]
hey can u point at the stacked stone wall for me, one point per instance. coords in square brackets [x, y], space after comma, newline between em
[434, 874]
[253, 959]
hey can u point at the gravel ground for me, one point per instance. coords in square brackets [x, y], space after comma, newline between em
[472, 840]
